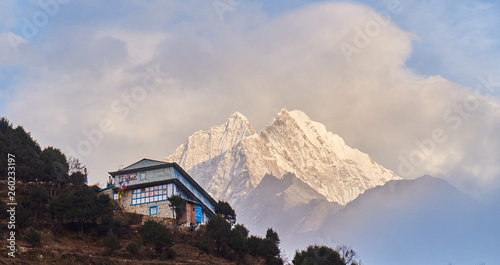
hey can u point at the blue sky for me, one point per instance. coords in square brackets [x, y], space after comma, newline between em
[272, 54]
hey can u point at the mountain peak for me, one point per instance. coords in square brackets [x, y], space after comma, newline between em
[238, 116]
[298, 122]
[294, 114]
[238, 123]
[282, 112]
[301, 119]
[231, 159]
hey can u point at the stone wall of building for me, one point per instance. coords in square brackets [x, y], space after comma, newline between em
[108, 192]
[166, 221]
[164, 209]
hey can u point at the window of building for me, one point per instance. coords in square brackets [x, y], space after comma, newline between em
[115, 196]
[142, 175]
[153, 210]
[150, 194]
[198, 214]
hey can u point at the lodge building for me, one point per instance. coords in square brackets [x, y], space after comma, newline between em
[144, 188]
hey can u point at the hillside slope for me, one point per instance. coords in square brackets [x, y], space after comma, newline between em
[388, 223]
[288, 204]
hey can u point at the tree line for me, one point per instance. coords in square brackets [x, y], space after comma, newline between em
[33, 163]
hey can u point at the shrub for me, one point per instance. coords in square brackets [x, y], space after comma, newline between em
[3, 210]
[254, 246]
[273, 236]
[317, 255]
[219, 230]
[114, 224]
[271, 252]
[241, 229]
[34, 203]
[82, 205]
[265, 248]
[158, 235]
[111, 241]
[203, 246]
[133, 248]
[34, 238]
[23, 214]
[225, 210]
[178, 205]
[169, 254]
[238, 241]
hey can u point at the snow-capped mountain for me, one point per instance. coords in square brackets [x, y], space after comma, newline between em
[308, 185]
[230, 160]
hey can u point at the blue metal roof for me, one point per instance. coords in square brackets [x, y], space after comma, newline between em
[107, 188]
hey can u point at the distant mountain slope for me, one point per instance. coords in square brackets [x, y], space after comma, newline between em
[287, 204]
[389, 223]
[230, 160]
[303, 181]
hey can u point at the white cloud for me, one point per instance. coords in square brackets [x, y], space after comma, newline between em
[255, 67]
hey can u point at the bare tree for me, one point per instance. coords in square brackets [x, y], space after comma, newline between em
[77, 172]
[76, 166]
[348, 255]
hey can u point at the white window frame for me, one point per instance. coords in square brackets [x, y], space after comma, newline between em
[139, 196]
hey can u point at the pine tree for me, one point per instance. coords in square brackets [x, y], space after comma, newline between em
[157, 235]
[111, 241]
